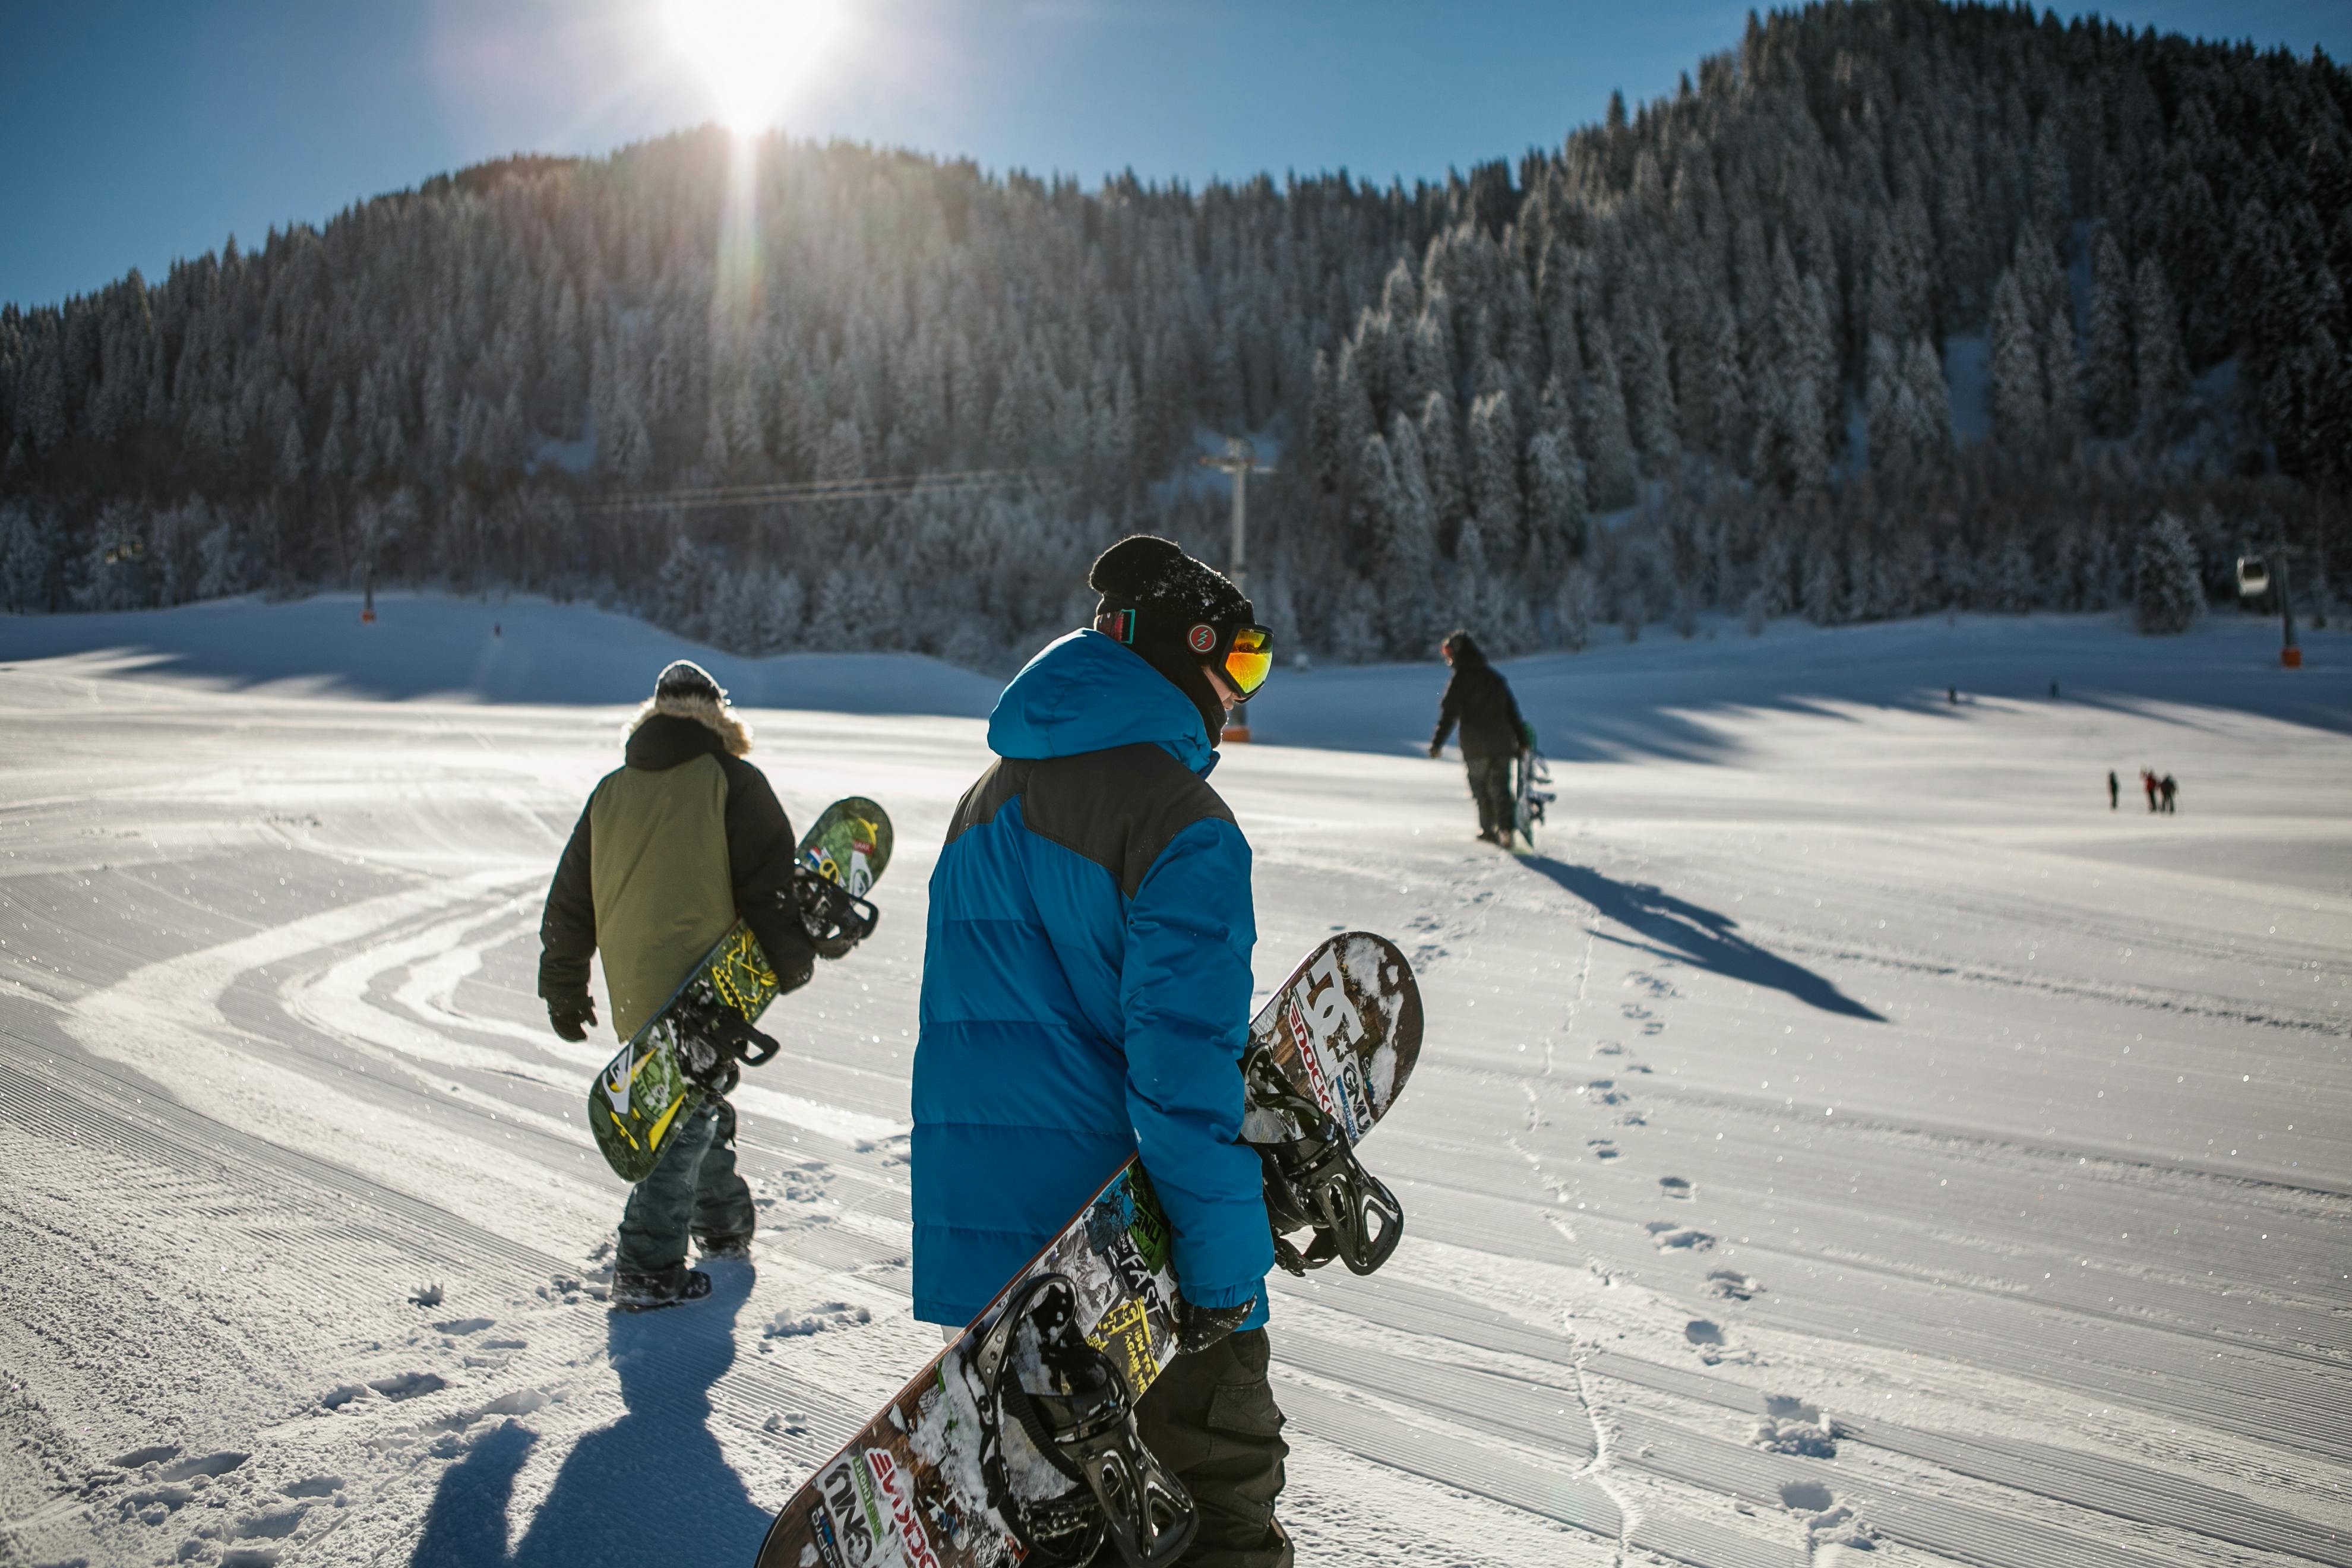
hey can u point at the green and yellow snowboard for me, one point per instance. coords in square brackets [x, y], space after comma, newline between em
[643, 1091]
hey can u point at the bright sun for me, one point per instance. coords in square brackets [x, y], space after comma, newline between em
[751, 51]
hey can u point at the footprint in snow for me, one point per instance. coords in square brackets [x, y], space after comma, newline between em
[1641, 981]
[407, 1384]
[1668, 1237]
[1828, 1522]
[1675, 1187]
[1731, 1285]
[831, 1315]
[313, 1486]
[1636, 1010]
[1602, 1148]
[1608, 1048]
[1791, 1425]
[463, 1325]
[1633, 1119]
[893, 1149]
[1602, 1091]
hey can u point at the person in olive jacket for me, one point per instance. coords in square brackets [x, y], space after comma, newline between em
[673, 847]
[1480, 700]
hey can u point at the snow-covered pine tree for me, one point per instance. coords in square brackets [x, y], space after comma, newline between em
[1574, 608]
[1495, 476]
[2168, 590]
[1441, 457]
[2110, 382]
[2021, 418]
[2163, 370]
[1602, 432]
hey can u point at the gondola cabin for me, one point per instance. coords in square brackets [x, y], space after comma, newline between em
[2253, 578]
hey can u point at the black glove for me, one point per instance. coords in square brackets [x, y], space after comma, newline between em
[570, 1016]
[1198, 1328]
[1437, 748]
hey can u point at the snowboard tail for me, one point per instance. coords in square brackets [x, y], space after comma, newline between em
[645, 1091]
[1328, 1055]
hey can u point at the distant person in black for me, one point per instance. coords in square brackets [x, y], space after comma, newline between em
[2114, 790]
[2168, 789]
[1480, 700]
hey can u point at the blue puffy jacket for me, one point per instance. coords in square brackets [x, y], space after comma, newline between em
[1086, 989]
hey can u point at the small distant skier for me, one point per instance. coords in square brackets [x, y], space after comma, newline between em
[2147, 783]
[1952, 695]
[2166, 788]
[2115, 791]
[674, 845]
[1480, 700]
[1086, 996]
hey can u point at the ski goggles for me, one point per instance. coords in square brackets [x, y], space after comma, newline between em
[1247, 652]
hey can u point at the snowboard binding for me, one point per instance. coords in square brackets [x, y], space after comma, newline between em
[1083, 1425]
[712, 1039]
[836, 919]
[1314, 1182]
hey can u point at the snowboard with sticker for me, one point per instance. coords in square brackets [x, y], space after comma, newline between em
[935, 1479]
[1528, 806]
[645, 1090]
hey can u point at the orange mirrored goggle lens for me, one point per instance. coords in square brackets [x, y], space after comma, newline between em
[1250, 660]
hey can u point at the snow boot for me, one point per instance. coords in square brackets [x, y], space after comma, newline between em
[736, 1246]
[649, 1292]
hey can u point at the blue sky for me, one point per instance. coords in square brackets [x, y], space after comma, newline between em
[137, 132]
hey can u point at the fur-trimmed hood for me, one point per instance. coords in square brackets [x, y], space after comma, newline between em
[718, 717]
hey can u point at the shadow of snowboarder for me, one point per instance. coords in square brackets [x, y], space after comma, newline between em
[1675, 928]
[651, 1489]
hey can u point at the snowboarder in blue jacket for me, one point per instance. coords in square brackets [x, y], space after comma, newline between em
[1086, 996]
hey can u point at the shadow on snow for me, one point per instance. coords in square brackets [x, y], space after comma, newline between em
[652, 1489]
[1669, 927]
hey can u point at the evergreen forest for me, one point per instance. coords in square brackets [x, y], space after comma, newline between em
[1892, 308]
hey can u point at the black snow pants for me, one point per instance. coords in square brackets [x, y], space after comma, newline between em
[1212, 1418]
[1491, 786]
[695, 1187]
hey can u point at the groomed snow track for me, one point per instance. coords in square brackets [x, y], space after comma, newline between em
[1801, 1159]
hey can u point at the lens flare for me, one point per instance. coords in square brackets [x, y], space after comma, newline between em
[750, 52]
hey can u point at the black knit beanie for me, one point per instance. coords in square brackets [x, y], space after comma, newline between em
[1170, 593]
[684, 678]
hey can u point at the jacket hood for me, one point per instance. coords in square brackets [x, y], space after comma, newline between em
[713, 713]
[660, 741]
[1085, 693]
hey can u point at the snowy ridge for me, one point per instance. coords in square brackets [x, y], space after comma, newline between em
[1845, 1130]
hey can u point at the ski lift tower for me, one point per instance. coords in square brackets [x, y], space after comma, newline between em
[2254, 577]
[1239, 462]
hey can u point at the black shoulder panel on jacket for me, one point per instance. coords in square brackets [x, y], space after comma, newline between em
[1005, 777]
[1119, 809]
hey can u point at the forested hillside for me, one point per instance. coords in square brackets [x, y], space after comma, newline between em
[1893, 307]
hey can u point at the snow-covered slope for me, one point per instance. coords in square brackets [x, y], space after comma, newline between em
[1845, 1129]
[515, 648]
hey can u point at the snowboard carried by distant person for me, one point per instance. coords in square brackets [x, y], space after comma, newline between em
[1527, 807]
[688, 1050]
[1018, 1443]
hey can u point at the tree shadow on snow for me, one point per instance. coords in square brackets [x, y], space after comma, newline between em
[1675, 928]
[652, 1489]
